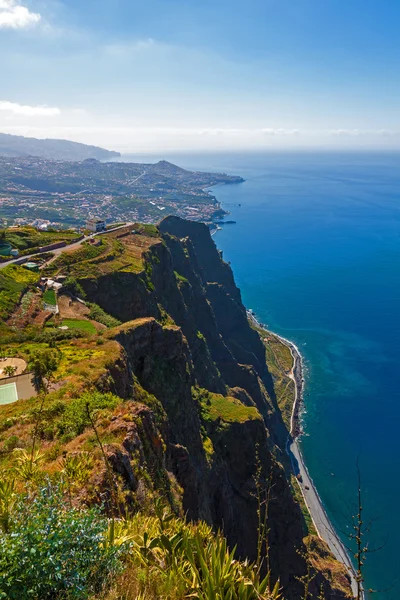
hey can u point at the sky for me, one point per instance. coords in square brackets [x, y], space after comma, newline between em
[202, 74]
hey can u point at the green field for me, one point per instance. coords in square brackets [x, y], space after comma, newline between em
[49, 297]
[79, 324]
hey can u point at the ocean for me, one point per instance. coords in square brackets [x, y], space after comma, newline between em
[316, 253]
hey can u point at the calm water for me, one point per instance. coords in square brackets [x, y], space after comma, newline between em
[316, 253]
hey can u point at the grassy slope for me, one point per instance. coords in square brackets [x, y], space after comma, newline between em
[280, 364]
[228, 409]
[14, 281]
[80, 324]
[118, 251]
[28, 239]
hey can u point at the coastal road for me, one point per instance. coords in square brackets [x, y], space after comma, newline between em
[313, 502]
[319, 517]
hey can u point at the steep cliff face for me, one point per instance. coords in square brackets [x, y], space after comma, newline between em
[187, 343]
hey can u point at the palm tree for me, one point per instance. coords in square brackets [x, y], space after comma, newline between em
[10, 370]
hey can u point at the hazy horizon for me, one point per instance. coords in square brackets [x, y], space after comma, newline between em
[182, 75]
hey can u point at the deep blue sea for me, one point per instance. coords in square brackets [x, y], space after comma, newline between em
[316, 253]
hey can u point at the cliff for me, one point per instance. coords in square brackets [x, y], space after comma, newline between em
[188, 344]
[188, 408]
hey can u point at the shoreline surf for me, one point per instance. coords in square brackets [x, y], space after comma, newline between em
[307, 487]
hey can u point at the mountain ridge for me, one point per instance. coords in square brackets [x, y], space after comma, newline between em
[54, 149]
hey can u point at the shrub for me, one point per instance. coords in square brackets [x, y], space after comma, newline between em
[43, 363]
[174, 560]
[99, 315]
[75, 417]
[72, 285]
[55, 551]
[12, 442]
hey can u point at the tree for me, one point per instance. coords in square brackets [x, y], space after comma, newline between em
[10, 370]
[43, 363]
[72, 286]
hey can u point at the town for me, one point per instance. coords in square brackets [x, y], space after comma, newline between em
[64, 194]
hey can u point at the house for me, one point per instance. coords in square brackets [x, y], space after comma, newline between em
[95, 225]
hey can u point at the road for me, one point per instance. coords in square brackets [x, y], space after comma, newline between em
[313, 502]
[136, 178]
[319, 517]
[58, 251]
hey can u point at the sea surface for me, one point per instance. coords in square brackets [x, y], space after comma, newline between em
[316, 253]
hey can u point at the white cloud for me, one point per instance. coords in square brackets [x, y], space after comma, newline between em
[28, 111]
[16, 16]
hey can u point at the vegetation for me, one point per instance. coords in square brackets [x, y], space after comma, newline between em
[173, 560]
[91, 261]
[80, 324]
[147, 229]
[72, 285]
[76, 445]
[280, 363]
[49, 549]
[28, 240]
[294, 484]
[74, 418]
[14, 282]
[43, 363]
[99, 315]
[180, 278]
[84, 252]
[9, 370]
[49, 297]
[225, 408]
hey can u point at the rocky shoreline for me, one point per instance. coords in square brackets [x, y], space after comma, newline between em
[310, 494]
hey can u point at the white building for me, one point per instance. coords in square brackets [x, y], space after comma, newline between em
[95, 225]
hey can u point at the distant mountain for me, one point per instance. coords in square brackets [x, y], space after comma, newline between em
[18, 145]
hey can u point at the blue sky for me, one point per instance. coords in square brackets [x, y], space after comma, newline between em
[188, 74]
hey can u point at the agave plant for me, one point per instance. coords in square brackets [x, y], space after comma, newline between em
[218, 576]
[27, 466]
[8, 498]
[77, 467]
